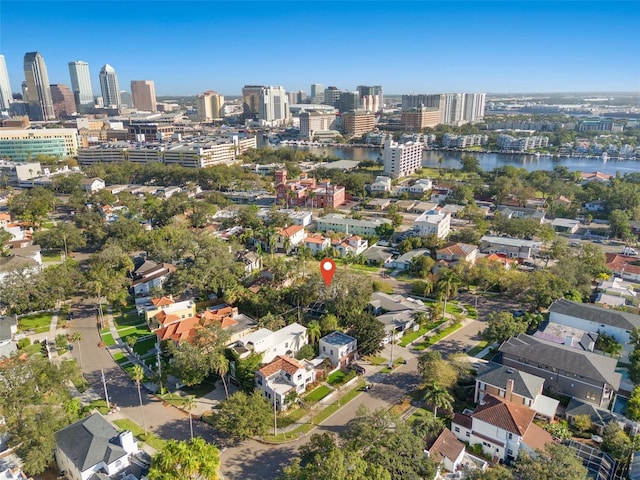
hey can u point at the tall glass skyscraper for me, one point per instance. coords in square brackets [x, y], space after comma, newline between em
[5, 86]
[35, 73]
[110, 87]
[81, 85]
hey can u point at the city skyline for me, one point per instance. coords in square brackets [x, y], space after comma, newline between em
[406, 47]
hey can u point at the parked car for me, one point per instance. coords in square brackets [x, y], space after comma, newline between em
[360, 370]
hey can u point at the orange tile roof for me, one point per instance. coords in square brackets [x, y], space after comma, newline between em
[5, 216]
[290, 231]
[165, 318]
[507, 416]
[460, 249]
[281, 362]
[617, 263]
[162, 302]
[446, 445]
[315, 239]
[536, 437]
[180, 331]
[494, 257]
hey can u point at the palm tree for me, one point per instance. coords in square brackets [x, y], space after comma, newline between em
[313, 330]
[448, 286]
[439, 397]
[221, 367]
[189, 404]
[75, 338]
[138, 375]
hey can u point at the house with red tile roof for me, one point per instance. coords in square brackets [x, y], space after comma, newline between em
[282, 377]
[447, 450]
[456, 252]
[317, 243]
[165, 310]
[595, 177]
[501, 427]
[288, 239]
[353, 245]
[624, 266]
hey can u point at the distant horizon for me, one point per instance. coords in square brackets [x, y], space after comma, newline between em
[186, 48]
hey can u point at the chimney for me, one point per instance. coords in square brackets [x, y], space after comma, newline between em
[509, 393]
[568, 341]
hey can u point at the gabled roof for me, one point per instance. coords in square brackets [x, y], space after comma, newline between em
[446, 445]
[163, 301]
[599, 416]
[290, 231]
[617, 263]
[536, 437]
[507, 416]
[319, 239]
[457, 249]
[181, 331]
[90, 441]
[524, 384]
[592, 313]
[146, 267]
[571, 360]
[281, 362]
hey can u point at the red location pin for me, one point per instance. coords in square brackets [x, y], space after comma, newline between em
[327, 269]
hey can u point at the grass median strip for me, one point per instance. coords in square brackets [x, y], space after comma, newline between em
[138, 432]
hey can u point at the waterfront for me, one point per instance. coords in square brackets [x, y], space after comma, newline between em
[488, 161]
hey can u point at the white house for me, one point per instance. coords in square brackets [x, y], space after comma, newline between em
[354, 245]
[91, 446]
[591, 318]
[92, 184]
[439, 194]
[513, 247]
[288, 239]
[433, 222]
[448, 451]
[286, 341]
[502, 428]
[403, 262]
[283, 376]
[338, 222]
[317, 243]
[150, 275]
[381, 184]
[338, 347]
[421, 186]
[457, 252]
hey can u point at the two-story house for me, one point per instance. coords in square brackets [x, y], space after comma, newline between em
[317, 243]
[286, 341]
[93, 446]
[570, 371]
[92, 185]
[535, 214]
[338, 347]
[150, 275]
[456, 252]
[502, 428]
[447, 450]
[513, 247]
[353, 245]
[288, 239]
[514, 386]
[283, 376]
[165, 310]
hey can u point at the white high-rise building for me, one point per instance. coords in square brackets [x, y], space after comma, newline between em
[474, 106]
[5, 85]
[39, 91]
[371, 98]
[452, 108]
[81, 85]
[210, 106]
[110, 87]
[275, 105]
[401, 160]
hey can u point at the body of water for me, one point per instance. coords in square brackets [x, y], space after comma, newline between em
[488, 161]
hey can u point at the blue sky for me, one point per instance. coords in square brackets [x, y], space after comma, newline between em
[407, 47]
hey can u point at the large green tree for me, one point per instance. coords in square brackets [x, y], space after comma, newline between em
[242, 416]
[192, 460]
[556, 461]
[434, 369]
[503, 325]
[368, 331]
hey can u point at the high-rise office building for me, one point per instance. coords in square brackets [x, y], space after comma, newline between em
[210, 106]
[371, 98]
[143, 95]
[268, 104]
[64, 104]
[317, 93]
[409, 102]
[332, 97]
[110, 87]
[358, 122]
[251, 101]
[125, 99]
[297, 97]
[350, 101]
[37, 78]
[5, 86]
[81, 85]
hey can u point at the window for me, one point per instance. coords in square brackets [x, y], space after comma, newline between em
[324, 349]
[299, 376]
[511, 436]
[331, 352]
[468, 434]
[510, 452]
[591, 396]
[457, 429]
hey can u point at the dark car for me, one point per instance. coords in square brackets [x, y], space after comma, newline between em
[358, 369]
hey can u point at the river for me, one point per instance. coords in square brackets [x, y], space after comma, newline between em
[488, 161]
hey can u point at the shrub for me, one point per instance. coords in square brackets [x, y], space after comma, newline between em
[24, 342]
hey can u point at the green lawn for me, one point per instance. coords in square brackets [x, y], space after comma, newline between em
[34, 349]
[336, 377]
[478, 348]
[291, 417]
[419, 413]
[199, 390]
[411, 336]
[174, 399]
[120, 357]
[144, 346]
[51, 257]
[141, 331]
[364, 268]
[377, 360]
[138, 432]
[318, 394]
[452, 308]
[128, 320]
[100, 405]
[439, 336]
[396, 363]
[39, 322]
[108, 340]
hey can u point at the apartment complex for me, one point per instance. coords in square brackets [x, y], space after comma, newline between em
[454, 108]
[21, 145]
[210, 106]
[521, 144]
[418, 118]
[463, 141]
[401, 160]
[143, 95]
[313, 121]
[358, 122]
[433, 222]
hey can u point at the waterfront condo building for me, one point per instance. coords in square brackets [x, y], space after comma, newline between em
[401, 160]
[266, 105]
[110, 87]
[313, 121]
[418, 118]
[143, 95]
[371, 98]
[358, 122]
[81, 85]
[38, 89]
[210, 106]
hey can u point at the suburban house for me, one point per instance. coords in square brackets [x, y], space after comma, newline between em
[513, 247]
[150, 275]
[457, 252]
[536, 214]
[395, 312]
[570, 371]
[623, 266]
[338, 222]
[380, 184]
[379, 256]
[252, 261]
[565, 225]
[448, 451]
[165, 310]
[502, 428]
[12, 473]
[595, 177]
[8, 330]
[421, 186]
[92, 184]
[377, 204]
[93, 446]
[26, 258]
[317, 243]
[595, 206]
[403, 262]
[514, 386]
[283, 376]
[288, 239]
[591, 318]
[439, 194]
[353, 245]
[338, 347]
[286, 341]
[433, 222]
[600, 417]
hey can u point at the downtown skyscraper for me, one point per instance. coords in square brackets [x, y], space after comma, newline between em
[81, 85]
[5, 86]
[110, 87]
[39, 92]
[143, 94]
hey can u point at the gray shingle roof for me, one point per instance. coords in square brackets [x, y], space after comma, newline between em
[599, 416]
[571, 360]
[524, 384]
[604, 316]
[90, 441]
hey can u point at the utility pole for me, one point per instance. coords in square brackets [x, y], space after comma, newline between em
[275, 418]
[106, 393]
[159, 370]
[393, 340]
